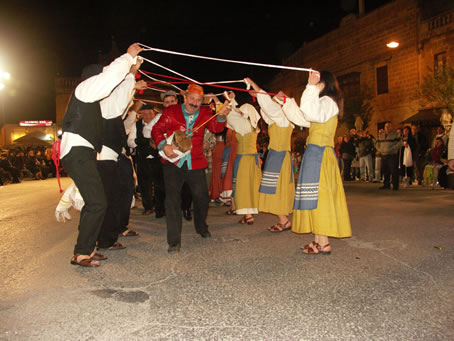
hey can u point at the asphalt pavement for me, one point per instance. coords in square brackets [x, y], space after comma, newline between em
[393, 280]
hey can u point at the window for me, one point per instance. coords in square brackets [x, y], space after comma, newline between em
[382, 80]
[440, 61]
[350, 84]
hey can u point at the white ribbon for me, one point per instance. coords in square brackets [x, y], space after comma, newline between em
[148, 48]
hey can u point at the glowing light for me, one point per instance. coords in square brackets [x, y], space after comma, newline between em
[6, 75]
[393, 44]
[2, 86]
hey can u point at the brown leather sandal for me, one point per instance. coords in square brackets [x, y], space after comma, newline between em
[321, 248]
[85, 262]
[230, 212]
[98, 256]
[129, 233]
[115, 246]
[308, 246]
[280, 227]
[316, 246]
[248, 220]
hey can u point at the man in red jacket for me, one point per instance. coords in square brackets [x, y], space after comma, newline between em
[191, 167]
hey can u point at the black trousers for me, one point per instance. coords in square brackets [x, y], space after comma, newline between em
[347, 169]
[80, 164]
[186, 197]
[174, 177]
[110, 228]
[151, 183]
[390, 167]
[126, 187]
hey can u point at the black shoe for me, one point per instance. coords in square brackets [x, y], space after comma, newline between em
[187, 215]
[206, 234]
[174, 248]
[384, 187]
[160, 214]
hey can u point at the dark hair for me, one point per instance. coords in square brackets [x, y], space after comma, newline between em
[407, 128]
[332, 90]
[90, 71]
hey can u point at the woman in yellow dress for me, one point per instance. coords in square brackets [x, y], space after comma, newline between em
[320, 206]
[277, 189]
[246, 168]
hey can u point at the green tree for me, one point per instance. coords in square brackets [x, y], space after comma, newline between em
[358, 104]
[437, 89]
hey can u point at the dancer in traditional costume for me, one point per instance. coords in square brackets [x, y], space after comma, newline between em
[216, 166]
[277, 189]
[320, 206]
[82, 138]
[170, 98]
[246, 169]
[228, 159]
[113, 165]
[190, 167]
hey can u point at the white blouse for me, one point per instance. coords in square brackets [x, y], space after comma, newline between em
[271, 111]
[317, 109]
[312, 108]
[237, 122]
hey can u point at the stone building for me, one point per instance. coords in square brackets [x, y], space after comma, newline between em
[357, 53]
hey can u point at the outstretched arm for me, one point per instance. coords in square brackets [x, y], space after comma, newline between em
[100, 86]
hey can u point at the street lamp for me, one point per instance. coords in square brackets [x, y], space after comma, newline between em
[4, 76]
[393, 44]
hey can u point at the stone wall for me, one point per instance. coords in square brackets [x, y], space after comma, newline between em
[359, 45]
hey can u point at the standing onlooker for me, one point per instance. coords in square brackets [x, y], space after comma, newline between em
[337, 146]
[388, 144]
[440, 134]
[451, 150]
[347, 149]
[419, 152]
[365, 147]
[354, 138]
[406, 158]
[378, 162]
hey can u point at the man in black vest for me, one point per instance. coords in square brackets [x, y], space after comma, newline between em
[111, 161]
[82, 138]
[149, 167]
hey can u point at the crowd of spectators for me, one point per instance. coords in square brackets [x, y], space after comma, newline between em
[33, 162]
[360, 156]
[405, 153]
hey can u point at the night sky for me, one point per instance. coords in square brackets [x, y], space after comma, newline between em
[41, 40]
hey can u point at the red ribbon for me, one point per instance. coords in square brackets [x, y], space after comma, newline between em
[184, 81]
[56, 159]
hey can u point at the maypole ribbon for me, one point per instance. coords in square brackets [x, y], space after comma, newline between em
[170, 70]
[157, 80]
[214, 85]
[148, 48]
